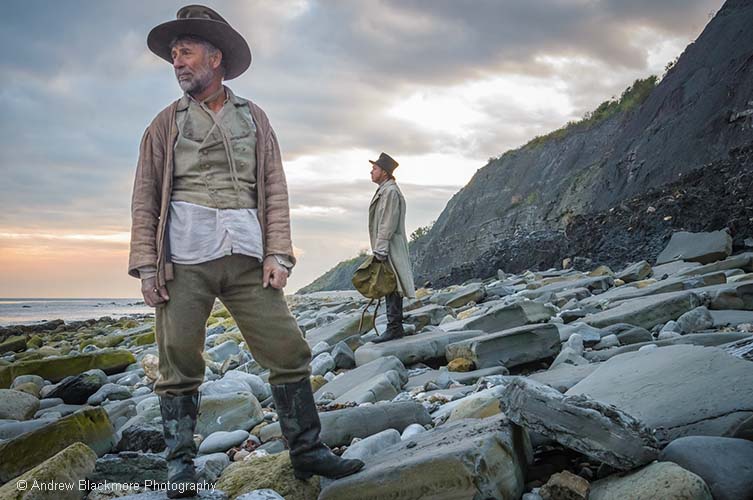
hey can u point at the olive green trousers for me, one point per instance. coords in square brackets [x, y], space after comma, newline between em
[262, 315]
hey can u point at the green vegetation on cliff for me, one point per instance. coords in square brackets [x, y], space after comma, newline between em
[631, 97]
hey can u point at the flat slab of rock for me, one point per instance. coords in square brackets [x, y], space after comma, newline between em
[590, 427]
[465, 378]
[661, 480]
[699, 339]
[466, 459]
[742, 261]
[340, 329]
[339, 427]
[56, 369]
[731, 318]
[383, 387]
[678, 284]
[509, 348]
[648, 311]
[363, 374]
[504, 317]
[564, 376]
[415, 348]
[685, 390]
[90, 426]
[697, 247]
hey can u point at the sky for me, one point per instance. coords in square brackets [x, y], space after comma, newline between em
[441, 85]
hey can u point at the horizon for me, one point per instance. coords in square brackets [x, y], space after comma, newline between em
[514, 73]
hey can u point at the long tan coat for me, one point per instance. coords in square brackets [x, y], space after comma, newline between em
[153, 185]
[387, 233]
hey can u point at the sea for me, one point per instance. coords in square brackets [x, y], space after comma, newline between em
[31, 311]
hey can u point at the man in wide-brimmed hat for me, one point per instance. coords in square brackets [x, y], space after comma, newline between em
[388, 241]
[210, 219]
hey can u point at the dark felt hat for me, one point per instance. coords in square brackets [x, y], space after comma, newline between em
[205, 23]
[386, 163]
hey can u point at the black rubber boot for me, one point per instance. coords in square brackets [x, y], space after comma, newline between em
[394, 319]
[299, 422]
[179, 421]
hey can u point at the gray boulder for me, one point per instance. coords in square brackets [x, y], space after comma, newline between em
[17, 405]
[322, 364]
[221, 441]
[130, 467]
[635, 272]
[474, 292]
[228, 412]
[505, 317]
[564, 376]
[725, 464]
[382, 387]
[415, 348]
[697, 247]
[340, 329]
[363, 374]
[510, 347]
[113, 392]
[344, 356]
[427, 315]
[209, 467]
[646, 312]
[141, 437]
[255, 383]
[466, 459]
[660, 480]
[76, 389]
[695, 320]
[339, 427]
[223, 351]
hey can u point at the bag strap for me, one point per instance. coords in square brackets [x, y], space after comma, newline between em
[363, 314]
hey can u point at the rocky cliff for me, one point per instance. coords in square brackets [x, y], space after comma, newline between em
[533, 206]
[337, 278]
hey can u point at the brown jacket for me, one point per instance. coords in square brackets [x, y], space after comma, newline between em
[153, 185]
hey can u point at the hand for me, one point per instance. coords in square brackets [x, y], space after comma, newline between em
[380, 257]
[153, 295]
[274, 273]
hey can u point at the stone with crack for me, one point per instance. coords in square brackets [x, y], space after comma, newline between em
[598, 430]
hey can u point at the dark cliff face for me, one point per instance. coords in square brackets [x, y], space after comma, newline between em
[514, 212]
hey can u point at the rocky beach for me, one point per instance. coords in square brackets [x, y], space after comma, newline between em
[581, 381]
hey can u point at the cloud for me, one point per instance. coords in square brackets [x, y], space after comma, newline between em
[441, 84]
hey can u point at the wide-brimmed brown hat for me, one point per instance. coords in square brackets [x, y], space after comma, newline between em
[386, 163]
[203, 22]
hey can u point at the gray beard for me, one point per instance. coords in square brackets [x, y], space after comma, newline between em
[197, 83]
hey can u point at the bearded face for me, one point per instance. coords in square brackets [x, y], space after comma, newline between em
[193, 67]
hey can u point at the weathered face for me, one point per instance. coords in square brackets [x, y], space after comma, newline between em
[193, 66]
[377, 174]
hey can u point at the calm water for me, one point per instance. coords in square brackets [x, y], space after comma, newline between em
[28, 311]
